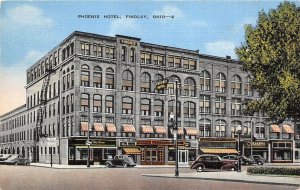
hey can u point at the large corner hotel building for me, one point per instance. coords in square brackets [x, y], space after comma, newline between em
[107, 84]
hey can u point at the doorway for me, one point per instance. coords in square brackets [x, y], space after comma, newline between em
[183, 157]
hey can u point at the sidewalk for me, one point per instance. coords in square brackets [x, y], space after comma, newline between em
[235, 177]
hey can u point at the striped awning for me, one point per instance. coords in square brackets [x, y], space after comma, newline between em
[180, 131]
[127, 128]
[191, 131]
[218, 151]
[275, 129]
[111, 128]
[160, 130]
[147, 129]
[288, 129]
[132, 150]
[98, 127]
[84, 126]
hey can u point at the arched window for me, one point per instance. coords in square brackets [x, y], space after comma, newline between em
[247, 88]
[189, 87]
[85, 75]
[145, 82]
[247, 129]
[97, 103]
[204, 81]
[189, 109]
[220, 83]
[127, 105]
[159, 77]
[145, 107]
[158, 108]
[84, 102]
[132, 55]
[171, 107]
[171, 85]
[220, 128]
[109, 106]
[123, 54]
[205, 127]
[97, 77]
[236, 85]
[235, 126]
[259, 132]
[127, 81]
[109, 79]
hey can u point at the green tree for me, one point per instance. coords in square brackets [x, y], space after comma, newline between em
[271, 55]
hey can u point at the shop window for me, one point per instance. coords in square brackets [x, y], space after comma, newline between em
[220, 83]
[204, 81]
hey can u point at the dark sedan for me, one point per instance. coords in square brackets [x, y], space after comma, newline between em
[15, 159]
[210, 161]
[244, 159]
[120, 160]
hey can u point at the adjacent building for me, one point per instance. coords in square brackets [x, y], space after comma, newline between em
[106, 87]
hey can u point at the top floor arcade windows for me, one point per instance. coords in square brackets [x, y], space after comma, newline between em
[236, 85]
[220, 83]
[85, 75]
[204, 81]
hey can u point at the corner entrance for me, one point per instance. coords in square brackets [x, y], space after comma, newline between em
[183, 157]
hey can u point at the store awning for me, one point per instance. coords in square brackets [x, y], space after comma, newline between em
[147, 129]
[218, 151]
[128, 128]
[84, 126]
[275, 129]
[288, 129]
[160, 130]
[98, 127]
[180, 131]
[191, 131]
[132, 151]
[111, 128]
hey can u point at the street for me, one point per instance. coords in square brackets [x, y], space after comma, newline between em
[31, 177]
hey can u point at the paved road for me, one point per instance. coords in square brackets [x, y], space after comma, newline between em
[32, 178]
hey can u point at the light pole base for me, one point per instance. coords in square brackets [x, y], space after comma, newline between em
[176, 173]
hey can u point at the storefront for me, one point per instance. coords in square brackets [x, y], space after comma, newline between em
[100, 150]
[281, 151]
[297, 151]
[129, 148]
[258, 148]
[218, 145]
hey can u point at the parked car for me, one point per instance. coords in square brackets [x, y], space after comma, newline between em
[120, 160]
[210, 161]
[258, 159]
[16, 160]
[244, 159]
[4, 156]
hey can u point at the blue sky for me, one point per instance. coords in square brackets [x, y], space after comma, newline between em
[29, 29]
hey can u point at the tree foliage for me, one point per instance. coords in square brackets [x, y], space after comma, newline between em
[271, 55]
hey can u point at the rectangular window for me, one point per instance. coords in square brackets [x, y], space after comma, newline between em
[171, 61]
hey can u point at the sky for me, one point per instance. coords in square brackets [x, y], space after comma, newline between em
[29, 29]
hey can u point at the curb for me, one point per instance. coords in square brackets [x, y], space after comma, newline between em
[227, 180]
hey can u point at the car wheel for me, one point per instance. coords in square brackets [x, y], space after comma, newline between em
[107, 165]
[16, 163]
[199, 169]
[125, 165]
[26, 163]
[260, 163]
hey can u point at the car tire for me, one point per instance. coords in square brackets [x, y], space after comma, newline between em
[107, 165]
[16, 163]
[259, 163]
[199, 169]
[125, 165]
[26, 163]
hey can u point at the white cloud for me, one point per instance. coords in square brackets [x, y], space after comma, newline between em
[13, 80]
[169, 10]
[123, 26]
[26, 15]
[221, 48]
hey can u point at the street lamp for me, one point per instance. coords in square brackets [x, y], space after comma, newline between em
[88, 143]
[239, 131]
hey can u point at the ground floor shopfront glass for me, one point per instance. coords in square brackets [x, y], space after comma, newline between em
[297, 152]
[258, 148]
[281, 151]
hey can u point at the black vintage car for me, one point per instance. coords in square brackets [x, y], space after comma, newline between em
[244, 159]
[15, 159]
[120, 161]
[213, 162]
